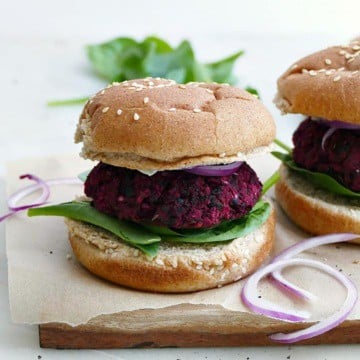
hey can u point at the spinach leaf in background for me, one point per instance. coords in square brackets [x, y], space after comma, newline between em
[108, 58]
[124, 58]
[222, 69]
[321, 180]
[253, 91]
[83, 211]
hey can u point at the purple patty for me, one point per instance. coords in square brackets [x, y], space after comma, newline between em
[340, 157]
[175, 199]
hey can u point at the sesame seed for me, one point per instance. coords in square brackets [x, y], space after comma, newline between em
[304, 71]
[351, 60]
[328, 61]
[151, 83]
[197, 110]
[102, 92]
[105, 109]
[172, 109]
[348, 56]
[337, 78]
[136, 116]
[294, 66]
[182, 87]
[355, 72]
[119, 111]
[356, 47]
[342, 52]
[312, 73]
[138, 89]
[209, 91]
[146, 100]
[222, 155]
[341, 69]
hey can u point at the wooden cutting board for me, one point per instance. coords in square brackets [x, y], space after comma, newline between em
[182, 326]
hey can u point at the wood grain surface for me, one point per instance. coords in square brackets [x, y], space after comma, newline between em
[182, 326]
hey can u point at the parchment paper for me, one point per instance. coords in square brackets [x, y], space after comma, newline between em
[47, 284]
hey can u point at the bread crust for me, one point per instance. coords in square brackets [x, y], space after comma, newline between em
[177, 268]
[324, 84]
[162, 123]
[315, 210]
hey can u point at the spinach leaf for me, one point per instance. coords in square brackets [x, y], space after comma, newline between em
[228, 230]
[131, 233]
[222, 69]
[124, 58]
[83, 176]
[321, 180]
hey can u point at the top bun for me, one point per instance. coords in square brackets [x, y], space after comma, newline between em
[156, 124]
[324, 84]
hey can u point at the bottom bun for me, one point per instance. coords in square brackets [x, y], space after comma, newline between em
[177, 268]
[316, 210]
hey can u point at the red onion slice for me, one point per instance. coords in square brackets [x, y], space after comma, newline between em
[332, 321]
[297, 249]
[328, 133]
[215, 170]
[337, 124]
[14, 198]
[249, 297]
[40, 184]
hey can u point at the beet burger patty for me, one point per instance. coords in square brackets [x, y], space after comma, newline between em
[176, 199]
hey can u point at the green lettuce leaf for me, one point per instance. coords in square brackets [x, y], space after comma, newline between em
[321, 180]
[147, 237]
[131, 233]
[226, 231]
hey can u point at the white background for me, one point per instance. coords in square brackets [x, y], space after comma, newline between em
[42, 57]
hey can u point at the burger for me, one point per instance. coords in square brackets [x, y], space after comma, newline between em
[171, 205]
[319, 187]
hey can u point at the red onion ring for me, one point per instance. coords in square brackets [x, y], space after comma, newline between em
[332, 321]
[40, 184]
[14, 198]
[297, 249]
[337, 124]
[333, 126]
[328, 133]
[214, 170]
[250, 298]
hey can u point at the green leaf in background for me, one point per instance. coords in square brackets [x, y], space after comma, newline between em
[222, 69]
[131, 233]
[321, 180]
[253, 91]
[124, 58]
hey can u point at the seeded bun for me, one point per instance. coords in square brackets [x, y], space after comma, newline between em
[156, 124]
[315, 210]
[177, 268]
[325, 84]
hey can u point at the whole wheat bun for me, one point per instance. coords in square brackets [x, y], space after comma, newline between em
[324, 84]
[156, 124]
[178, 267]
[316, 210]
